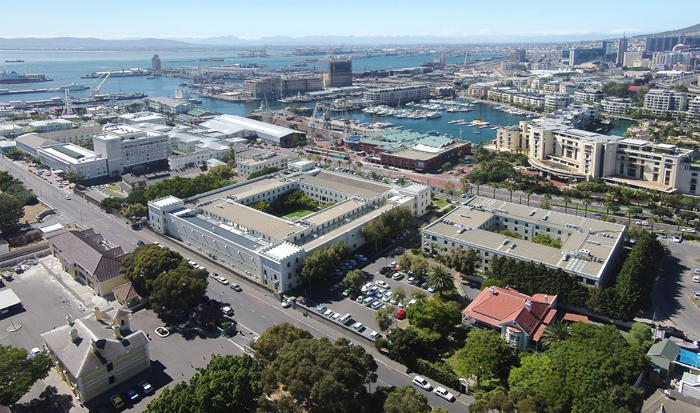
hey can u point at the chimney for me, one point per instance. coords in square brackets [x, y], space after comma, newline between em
[74, 334]
[528, 305]
[93, 345]
[69, 319]
[98, 314]
[546, 299]
[117, 332]
[492, 290]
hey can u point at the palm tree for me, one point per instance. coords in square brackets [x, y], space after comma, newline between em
[529, 192]
[466, 187]
[478, 182]
[586, 201]
[679, 222]
[510, 186]
[440, 279]
[401, 181]
[494, 186]
[567, 201]
[554, 333]
[609, 203]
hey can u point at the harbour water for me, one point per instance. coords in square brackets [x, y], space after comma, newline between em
[67, 67]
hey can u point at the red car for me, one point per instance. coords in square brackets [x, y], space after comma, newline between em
[401, 314]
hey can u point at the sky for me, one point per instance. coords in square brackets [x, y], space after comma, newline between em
[499, 20]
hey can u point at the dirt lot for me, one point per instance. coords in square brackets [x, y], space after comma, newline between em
[31, 211]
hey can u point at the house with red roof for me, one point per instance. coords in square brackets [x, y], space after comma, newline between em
[519, 318]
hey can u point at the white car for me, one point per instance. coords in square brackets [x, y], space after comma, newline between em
[678, 239]
[227, 310]
[222, 280]
[287, 303]
[387, 297]
[374, 335]
[422, 383]
[37, 350]
[328, 313]
[382, 284]
[688, 230]
[442, 392]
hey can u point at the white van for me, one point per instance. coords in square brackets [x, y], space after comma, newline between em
[345, 319]
[368, 300]
[358, 326]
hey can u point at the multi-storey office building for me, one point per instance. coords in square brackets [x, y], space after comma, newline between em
[661, 102]
[67, 156]
[272, 250]
[590, 248]
[130, 148]
[398, 94]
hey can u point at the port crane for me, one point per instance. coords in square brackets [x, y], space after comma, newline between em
[96, 90]
[387, 66]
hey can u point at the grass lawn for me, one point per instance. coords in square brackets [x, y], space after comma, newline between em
[440, 203]
[582, 208]
[298, 213]
[31, 211]
[115, 188]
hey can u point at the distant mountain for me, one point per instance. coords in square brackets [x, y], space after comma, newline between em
[91, 43]
[691, 29]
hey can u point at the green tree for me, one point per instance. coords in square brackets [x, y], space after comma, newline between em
[15, 154]
[111, 202]
[399, 295]
[374, 231]
[385, 316]
[137, 196]
[274, 338]
[529, 192]
[419, 295]
[72, 175]
[321, 263]
[11, 211]
[567, 201]
[406, 261]
[262, 206]
[406, 400]
[321, 376]
[641, 334]
[221, 172]
[440, 279]
[553, 333]
[342, 249]
[408, 345]
[265, 171]
[355, 279]
[18, 372]
[178, 289]
[494, 400]
[544, 239]
[396, 219]
[435, 315]
[449, 187]
[486, 355]
[144, 264]
[226, 384]
[134, 210]
[586, 201]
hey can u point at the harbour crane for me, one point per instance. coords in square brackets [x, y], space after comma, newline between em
[96, 90]
[388, 66]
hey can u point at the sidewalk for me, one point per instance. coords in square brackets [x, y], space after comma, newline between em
[63, 396]
[85, 295]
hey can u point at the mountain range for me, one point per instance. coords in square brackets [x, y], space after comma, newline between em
[235, 43]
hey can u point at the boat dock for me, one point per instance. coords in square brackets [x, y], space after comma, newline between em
[16, 92]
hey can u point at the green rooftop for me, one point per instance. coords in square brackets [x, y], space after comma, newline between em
[66, 151]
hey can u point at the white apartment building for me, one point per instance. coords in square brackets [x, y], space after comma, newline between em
[616, 106]
[632, 59]
[564, 152]
[142, 117]
[258, 162]
[128, 148]
[67, 156]
[694, 108]
[661, 102]
[398, 94]
[11, 131]
[51, 125]
[195, 158]
[588, 95]
[567, 88]
[529, 99]
[557, 101]
[168, 105]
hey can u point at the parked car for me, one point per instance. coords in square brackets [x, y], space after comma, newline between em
[288, 303]
[382, 284]
[374, 335]
[377, 304]
[321, 308]
[133, 395]
[696, 271]
[227, 310]
[236, 287]
[696, 279]
[401, 315]
[146, 387]
[117, 401]
[387, 297]
[442, 392]
[696, 295]
[688, 230]
[670, 331]
[397, 276]
[358, 326]
[139, 243]
[328, 313]
[422, 383]
[431, 289]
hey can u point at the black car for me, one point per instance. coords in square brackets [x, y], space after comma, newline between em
[139, 243]
[205, 299]
[670, 331]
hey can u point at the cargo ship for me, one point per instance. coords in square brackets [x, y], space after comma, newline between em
[14, 61]
[14, 77]
[118, 73]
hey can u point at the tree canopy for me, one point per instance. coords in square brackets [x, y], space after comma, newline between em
[322, 262]
[355, 279]
[594, 361]
[486, 355]
[435, 315]
[226, 384]
[18, 372]
[178, 289]
[404, 400]
[274, 338]
[144, 264]
[11, 211]
[321, 376]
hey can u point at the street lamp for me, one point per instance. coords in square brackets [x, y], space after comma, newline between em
[221, 297]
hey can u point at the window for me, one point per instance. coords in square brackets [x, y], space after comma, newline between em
[289, 264]
[547, 229]
[112, 380]
[110, 367]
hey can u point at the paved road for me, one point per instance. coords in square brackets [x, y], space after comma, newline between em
[673, 295]
[75, 210]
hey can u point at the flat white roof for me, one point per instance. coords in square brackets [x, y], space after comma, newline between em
[51, 228]
[237, 123]
[8, 298]
[83, 155]
[168, 200]
[282, 251]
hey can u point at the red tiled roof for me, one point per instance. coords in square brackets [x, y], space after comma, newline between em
[633, 88]
[575, 317]
[509, 305]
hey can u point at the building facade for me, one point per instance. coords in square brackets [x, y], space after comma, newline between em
[130, 148]
[396, 95]
[661, 102]
[339, 73]
[66, 157]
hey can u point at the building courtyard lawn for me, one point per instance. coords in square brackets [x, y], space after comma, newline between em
[299, 213]
[440, 203]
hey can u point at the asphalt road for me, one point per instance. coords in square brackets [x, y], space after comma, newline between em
[673, 296]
